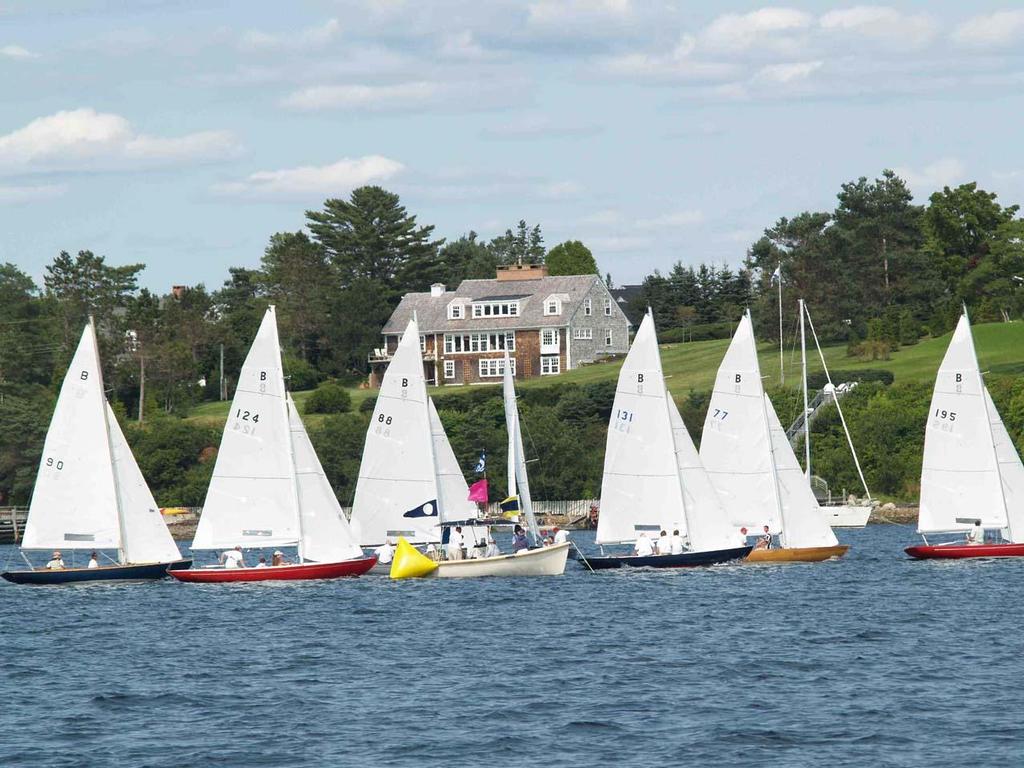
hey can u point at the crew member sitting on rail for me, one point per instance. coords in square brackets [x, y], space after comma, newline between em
[644, 546]
[519, 541]
[56, 562]
[278, 558]
[664, 543]
[561, 535]
[232, 558]
[765, 541]
[976, 535]
[385, 552]
[455, 541]
[93, 562]
[676, 543]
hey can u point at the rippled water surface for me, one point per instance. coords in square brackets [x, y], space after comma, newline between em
[873, 660]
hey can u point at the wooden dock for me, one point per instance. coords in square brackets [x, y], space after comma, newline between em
[12, 523]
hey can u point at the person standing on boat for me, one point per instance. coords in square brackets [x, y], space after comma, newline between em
[676, 543]
[56, 562]
[93, 562]
[385, 552]
[519, 541]
[664, 543]
[976, 535]
[644, 547]
[455, 542]
[233, 558]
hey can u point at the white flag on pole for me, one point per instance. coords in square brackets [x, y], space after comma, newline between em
[777, 274]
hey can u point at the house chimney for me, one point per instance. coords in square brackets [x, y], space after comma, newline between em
[177, 291]
[437, 289]
[522, 272]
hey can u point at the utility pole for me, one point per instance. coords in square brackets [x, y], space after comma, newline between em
[142, 384]
[222, 392]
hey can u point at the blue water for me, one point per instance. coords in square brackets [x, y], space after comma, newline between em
[870, 661]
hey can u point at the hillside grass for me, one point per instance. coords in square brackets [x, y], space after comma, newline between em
[692, 366]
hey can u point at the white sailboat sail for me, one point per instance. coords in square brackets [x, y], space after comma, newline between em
[640, 486]
[735, 446]
[707, 522]
[519, 482]
[397, 493]
[252, 498]
[803, 524]
[146, 538]
[74, 504]
[453, 493]
[326, 534]
[960, 475]
[1011, 470]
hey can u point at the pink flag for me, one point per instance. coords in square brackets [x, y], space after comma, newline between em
[478, 491]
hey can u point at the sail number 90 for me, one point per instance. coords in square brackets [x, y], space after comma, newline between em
[58, 463]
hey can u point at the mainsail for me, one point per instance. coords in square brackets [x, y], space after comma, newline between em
[397, 490]
[453, 493]
[971, 469]
[252, 499]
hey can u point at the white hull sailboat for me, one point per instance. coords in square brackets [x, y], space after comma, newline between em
[89, 493]
[971, 472]
[752, 465]
[653, 478]
[535, 561]
[268, 487]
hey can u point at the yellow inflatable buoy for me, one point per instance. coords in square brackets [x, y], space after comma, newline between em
[410, 563]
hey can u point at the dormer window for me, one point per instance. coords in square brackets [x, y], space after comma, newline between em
[552, 306]
[496, 309]
[456, 311]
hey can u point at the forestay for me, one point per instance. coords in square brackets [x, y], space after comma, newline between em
[326, 535]
[252, 499]
[146, 538]
[640, 487]
[960, 476]
[1011, 470]
[397, 493]
[707, 522]
[735, 447]
[803, 523]
[74, 504]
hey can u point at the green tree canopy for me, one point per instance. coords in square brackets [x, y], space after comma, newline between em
[571, 258]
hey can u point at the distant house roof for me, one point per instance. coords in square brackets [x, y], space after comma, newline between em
[432, 311]
[624, 296]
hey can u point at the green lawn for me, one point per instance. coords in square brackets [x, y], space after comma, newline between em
[692, 366]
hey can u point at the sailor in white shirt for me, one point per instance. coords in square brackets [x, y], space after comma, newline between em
[232, 558]
[455, 542]
[93, 562]
[385, 552]
[676, 544]
[664, 543]
[977, 534]
[561, 535]
[644, 546]
[492, 548]
[56, 562]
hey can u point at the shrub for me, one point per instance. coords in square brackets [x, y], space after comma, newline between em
[301, 375]
[329, 397]
[368, 405]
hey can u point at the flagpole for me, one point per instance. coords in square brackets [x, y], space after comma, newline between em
[782, 373]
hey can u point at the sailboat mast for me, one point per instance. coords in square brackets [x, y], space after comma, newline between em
[771, 445]
[807, 422]
[289, 403]
[122, 551]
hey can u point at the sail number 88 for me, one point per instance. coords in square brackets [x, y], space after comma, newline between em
[384, 419]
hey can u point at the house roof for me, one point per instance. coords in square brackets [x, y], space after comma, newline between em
[432, 311]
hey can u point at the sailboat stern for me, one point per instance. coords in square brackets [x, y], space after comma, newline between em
[796, 554]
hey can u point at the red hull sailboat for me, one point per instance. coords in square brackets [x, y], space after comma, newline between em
[306, 571]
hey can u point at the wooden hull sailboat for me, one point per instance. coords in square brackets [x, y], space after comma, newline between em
[971, 473]
[684, 560]
[796, 554]
[268, 487]
[133, 572]
[304, 572]
[89, 493]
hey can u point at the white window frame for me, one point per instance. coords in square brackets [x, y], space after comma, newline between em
[423, 343]
[552, 306]
[608, 337]
[479, 341]
[495, 309]
[607, 307]
[449, 369]
[494, 367]
[588, 307]
[583, 334]
[455, 310]
[550, 365]
[554, 345]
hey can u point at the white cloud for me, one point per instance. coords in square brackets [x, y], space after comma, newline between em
[569, 13]
[17, 52]
[882, 23]
[740, 32]
[461, 45]
[788, 72]
[684, 218]
[559, 190]
[363, 97]
[336, 179]
[992, 30]
[311, 38]
[944, 172]
[85, 138]
[30, 193]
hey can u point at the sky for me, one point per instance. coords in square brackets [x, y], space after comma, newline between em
[183, 134]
